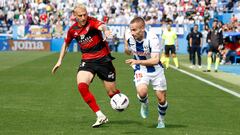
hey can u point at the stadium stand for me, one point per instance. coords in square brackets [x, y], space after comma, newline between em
[55, 17]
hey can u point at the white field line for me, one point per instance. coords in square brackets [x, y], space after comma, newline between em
[209, 82]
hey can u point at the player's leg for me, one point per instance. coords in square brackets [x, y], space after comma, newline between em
[160, 86]
[84, 78]
[217, 61]
[174, 56]
[106, 72]
[162, 107]
[141, 83]
[199, 57]
[111, 88]
[167, 60]
[142, 96]
[193, 55]
[209, 58]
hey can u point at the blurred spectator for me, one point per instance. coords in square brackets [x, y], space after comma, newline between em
[115, 43]
[42, 12]
[229, 6]
[205, 46]
[228, 51]
[234, 19]
[189, 48]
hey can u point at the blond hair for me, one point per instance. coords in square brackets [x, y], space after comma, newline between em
[79, 5]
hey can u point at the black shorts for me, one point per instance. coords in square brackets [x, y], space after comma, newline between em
[104, 70]
[169, 48]
[213, 49]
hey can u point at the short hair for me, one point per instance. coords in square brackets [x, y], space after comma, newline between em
[79, 5]
[215, 20]
[138, 20]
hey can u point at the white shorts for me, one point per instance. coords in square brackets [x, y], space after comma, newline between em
[157, 79]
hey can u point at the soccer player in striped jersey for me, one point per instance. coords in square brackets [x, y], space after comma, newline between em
[96, 58]
[145, 48]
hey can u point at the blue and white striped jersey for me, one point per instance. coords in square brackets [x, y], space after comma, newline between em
[142, 49]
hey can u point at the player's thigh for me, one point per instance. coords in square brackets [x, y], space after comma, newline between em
[141, 81]
[84, 77]
[86, 72]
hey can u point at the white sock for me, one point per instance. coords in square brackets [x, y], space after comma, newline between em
[161, 118]
[99, 113]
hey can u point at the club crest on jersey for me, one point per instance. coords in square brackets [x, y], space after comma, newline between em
[82, 37]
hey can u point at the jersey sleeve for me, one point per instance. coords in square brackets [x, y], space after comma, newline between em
[69, 37]
[94, 23]
[154, 44]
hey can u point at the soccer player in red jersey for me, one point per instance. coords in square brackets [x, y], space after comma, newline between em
[96, 58]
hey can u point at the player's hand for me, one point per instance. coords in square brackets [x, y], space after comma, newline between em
[131, 62]
[58, 64]
[108, 34]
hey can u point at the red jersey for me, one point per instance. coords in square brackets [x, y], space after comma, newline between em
[90, 40]
[230, 46]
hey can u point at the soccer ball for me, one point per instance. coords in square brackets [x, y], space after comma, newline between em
[119, 102]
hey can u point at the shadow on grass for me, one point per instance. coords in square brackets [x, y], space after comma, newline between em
[169, 126]
[121, 122]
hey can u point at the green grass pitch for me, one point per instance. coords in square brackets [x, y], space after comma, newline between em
[35, 102]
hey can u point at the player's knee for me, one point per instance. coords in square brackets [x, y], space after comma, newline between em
[162, 101]
[142, 94]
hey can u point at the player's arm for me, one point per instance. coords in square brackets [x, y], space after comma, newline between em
[105, 30]
[190, 41]
[209, 37]
[154, 60]
[201, 39]
[61, 56]
[126, 48]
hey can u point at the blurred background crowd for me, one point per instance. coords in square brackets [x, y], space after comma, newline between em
[58, 13]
